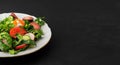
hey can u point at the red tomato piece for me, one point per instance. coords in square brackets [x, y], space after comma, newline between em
[20, 46]
[17, 30]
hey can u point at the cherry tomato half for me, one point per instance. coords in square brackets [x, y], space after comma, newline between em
[17, 30]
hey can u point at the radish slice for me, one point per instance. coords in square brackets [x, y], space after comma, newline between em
[28, 18]
[32, 36]
[35, 25]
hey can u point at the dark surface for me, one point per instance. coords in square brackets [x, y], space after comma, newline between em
[84, 32]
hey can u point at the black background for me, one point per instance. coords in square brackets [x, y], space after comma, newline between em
[84, 32]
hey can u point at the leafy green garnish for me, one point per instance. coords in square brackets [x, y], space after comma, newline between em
[4, 47]
[40, 21]
[6, 24]
[19, 39]
[28, 26]
[13, 51]
[5, 36]
[37, 33]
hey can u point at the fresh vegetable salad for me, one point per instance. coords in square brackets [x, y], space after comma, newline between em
[18, 34]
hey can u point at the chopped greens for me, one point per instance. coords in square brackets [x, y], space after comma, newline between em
[40, 21]
[6, 24]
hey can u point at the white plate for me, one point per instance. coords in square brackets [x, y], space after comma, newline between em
[40, 43]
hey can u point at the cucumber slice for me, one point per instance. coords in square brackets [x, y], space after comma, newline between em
[26, 37]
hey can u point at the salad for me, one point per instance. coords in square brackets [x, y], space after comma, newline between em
[17, 34]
